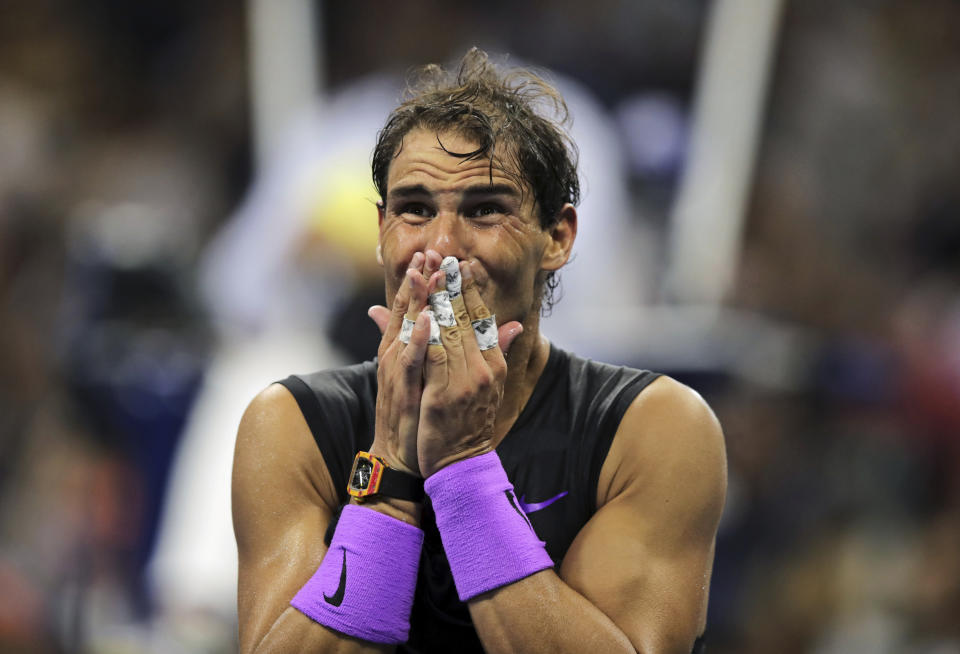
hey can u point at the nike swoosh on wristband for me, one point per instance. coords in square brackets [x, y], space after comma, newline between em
[337, 598]
[536, 506]
[513, 502]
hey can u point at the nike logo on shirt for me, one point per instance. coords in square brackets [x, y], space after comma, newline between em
[536, 506]
[337, 598]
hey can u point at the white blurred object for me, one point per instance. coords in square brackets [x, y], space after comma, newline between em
[194, 567]
[284, 68]
[706, 226]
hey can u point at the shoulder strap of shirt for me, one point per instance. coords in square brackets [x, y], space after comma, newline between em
[337, 453]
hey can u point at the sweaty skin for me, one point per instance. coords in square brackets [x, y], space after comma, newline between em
[636, 577]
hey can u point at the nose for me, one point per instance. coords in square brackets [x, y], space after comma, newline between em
[449, 235]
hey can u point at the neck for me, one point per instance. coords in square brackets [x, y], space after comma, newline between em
[525, 363]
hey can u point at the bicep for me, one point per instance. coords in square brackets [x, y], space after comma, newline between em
[645, 557]
[282, 503]
[655, 595]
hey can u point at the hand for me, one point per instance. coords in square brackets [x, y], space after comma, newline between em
[463, 386]
[400, 372]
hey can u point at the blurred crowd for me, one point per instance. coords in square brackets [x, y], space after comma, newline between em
[152, 278]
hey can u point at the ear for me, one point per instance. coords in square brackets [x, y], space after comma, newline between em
[380, 213]
[562, 235]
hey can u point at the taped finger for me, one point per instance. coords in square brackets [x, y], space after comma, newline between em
[406, 329]
[434, 338]
[485, 329]
[451, 270]
[442, 308]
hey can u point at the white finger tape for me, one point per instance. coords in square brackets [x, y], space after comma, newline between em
[451, 268]
[486, 331]
[434, 329]
[440, 303]
[406, 330]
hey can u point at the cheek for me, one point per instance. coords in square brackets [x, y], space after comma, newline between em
[513, 265]
[398, 242]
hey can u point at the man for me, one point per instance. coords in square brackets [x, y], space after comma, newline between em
[505, 496]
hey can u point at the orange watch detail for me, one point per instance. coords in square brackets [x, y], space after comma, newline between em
[366, 474]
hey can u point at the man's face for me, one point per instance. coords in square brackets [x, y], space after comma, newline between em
[445, 203]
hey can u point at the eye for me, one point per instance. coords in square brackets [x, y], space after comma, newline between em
[487, 210]
[415, 211]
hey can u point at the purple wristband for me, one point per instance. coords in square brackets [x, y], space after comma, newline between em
[364, 586]
[487, 537]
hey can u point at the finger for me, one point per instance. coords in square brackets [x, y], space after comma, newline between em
[449, 329]
[432, 260]
[434, 282]
[451, 276]
[411, 386]
[508, 333]
[400, 302]
[453, 285]
[414, 353]
[417, 296]
[484, 323]
[435, 371]
[381, 316]
[450, 269]
[471, 294]
[418, 300]
[416, 261]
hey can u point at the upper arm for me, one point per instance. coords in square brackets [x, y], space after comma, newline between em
[283, 500]
[645, 557]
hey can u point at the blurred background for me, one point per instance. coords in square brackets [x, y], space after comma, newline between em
[186, 215]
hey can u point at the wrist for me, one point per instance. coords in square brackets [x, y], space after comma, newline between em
[392, 460]
[433, 467]
[487, 537]
[404, 510]
[365, 584]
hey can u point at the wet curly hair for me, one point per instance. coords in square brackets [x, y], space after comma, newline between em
[514, 114]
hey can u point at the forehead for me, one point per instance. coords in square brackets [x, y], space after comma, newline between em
[425, 158]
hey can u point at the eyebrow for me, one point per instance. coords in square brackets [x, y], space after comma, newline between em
[482, 190]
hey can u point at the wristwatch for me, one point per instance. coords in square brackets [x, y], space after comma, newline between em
[371, 476]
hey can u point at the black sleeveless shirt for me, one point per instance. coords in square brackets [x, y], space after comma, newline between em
[552, 455]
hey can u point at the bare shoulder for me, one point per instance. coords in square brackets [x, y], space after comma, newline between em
[277, 465]
[646, 555]
[282, 502]
[668, 448]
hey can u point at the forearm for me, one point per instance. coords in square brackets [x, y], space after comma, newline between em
[543, 614]
[294, 632]
[358, 600]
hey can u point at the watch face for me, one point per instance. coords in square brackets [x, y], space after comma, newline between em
[361, 474]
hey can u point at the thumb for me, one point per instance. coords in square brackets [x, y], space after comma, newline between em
[508, 333]
[379, 315]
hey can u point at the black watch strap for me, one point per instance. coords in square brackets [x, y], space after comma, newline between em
[372, 477]
[401, 485]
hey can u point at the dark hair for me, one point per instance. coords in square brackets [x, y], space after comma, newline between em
[507, 114]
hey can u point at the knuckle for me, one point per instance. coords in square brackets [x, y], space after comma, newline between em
[452, 334]
[485, 379]
[406, 361]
